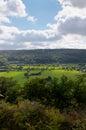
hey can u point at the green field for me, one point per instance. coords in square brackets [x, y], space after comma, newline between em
[19, 75]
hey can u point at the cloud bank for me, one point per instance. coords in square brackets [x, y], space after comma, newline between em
[68, 31]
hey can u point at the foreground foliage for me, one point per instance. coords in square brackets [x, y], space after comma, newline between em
[43, 104]
[34, 116]
[61, 93]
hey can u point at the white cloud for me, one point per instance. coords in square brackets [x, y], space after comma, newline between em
[4, 19]
[74, 25]
[76, 3]
[37, 36]
[53, 26]
[31, 19]
[79, 3]
[71, 24]
[70, 12]
[71, 19]
[16, 39]
[11, 8]
[72, 41]
[8, 33]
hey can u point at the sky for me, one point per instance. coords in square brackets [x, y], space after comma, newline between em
[42, 24]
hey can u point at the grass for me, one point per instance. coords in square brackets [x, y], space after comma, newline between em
[17, 75]
[53, 71]
[58, 73]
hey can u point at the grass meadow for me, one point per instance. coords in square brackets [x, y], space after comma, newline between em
[56, 72]
[16, 75]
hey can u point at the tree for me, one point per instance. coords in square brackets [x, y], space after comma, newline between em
[8, 88]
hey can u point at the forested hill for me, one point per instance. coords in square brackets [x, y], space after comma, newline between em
[44, 56]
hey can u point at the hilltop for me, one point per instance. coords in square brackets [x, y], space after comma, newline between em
[44, 56]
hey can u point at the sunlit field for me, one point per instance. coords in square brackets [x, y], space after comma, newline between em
[44, 70]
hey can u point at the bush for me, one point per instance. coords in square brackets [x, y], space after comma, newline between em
[34, 116]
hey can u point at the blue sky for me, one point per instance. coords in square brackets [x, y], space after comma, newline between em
[43, 10]
[42, 24]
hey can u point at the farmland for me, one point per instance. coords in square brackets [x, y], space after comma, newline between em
[25, 64]
[43, 71]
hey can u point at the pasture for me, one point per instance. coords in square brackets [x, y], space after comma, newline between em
[16, 75]
[42, 71]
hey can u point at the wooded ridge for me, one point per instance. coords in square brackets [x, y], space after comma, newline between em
[44, 56]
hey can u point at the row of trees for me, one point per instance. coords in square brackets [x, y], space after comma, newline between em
[59, 93]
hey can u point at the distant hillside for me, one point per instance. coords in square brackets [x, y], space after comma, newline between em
[44, 56]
